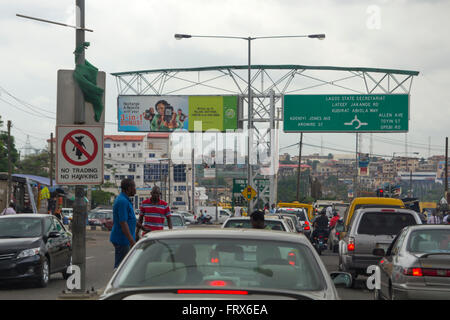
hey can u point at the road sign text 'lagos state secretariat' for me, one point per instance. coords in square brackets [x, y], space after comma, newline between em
[346, 113]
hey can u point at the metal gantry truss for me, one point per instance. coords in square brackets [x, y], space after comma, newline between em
[268, 84]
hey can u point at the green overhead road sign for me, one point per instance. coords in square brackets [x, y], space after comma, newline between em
[240, 184]
[346, 113]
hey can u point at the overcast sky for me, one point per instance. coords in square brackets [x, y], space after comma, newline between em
[138, 34]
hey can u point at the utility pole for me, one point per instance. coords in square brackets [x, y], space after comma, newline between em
[355, 179]
[446, 168]
[8, 194]
[80, 207]
[51, 159]
[410, 184]
[169, 190]
[193, 181]
[299, 166]
[217, 181]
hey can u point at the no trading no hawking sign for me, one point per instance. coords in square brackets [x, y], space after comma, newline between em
[79, 155]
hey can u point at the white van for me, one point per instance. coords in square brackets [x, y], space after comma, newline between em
[223, 214]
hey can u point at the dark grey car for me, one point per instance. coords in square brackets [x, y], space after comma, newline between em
[369, 229]
[416, 265]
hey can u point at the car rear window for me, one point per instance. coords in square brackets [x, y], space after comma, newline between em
[384, 223]
[246, 224]
[430, 241]
[300, 214]
[221, 263]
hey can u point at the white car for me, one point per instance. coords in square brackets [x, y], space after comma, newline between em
[188, 217]
[275, 224]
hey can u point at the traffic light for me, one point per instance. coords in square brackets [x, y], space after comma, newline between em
[380, 193]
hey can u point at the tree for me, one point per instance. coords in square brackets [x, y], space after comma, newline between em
[36, 164]
[4, 150]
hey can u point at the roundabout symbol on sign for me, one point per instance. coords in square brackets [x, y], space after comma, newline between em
[79, 147]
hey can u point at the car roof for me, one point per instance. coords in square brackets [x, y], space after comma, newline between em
[232, 233]
[428, 226]
[27, 215]
[378, 209]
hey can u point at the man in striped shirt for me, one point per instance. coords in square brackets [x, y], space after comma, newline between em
[153, 212]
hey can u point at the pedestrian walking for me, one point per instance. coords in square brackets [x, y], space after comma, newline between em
[237, 211]
[10, 210]
[272, 209]
[434, 218]
[153, 213]
[124, 221]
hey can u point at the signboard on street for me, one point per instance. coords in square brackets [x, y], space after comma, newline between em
[346, 113]
[79, 155]
[169, 113]
[249, 193]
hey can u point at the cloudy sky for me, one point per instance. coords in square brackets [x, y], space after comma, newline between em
[138, 35]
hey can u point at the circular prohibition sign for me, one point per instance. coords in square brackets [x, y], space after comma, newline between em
[69, 137]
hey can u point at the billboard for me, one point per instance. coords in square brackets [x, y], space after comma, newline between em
[169, 113]
[346, 113]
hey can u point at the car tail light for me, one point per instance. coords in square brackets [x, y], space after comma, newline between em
[351, 244]
[338, 233]
[214, 260]
[307, 223]
[415, 272]
[218, 283]
[428, 272]
[241, 292]
[307, 228]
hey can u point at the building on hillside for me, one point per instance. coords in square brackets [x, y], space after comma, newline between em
[286, 170]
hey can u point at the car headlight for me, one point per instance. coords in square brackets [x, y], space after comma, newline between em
[29, 253]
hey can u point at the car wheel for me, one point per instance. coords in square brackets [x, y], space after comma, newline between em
[377, 294]
[392, 293]
[336, 248]
[44, 274]
[65, 274]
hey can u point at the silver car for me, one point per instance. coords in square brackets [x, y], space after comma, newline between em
[369, 229]
[302, 216]
[276, 224]
[206, 264]
[416, 265]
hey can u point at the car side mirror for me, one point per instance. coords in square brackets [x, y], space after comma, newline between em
[54, 234]
[379, 252]
[341, 279]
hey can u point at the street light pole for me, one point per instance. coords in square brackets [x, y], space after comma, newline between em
[179, 36]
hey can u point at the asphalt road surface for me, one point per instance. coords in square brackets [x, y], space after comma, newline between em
[99, 269]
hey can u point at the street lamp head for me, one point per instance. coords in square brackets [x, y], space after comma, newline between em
[181, 36]
[320, 36]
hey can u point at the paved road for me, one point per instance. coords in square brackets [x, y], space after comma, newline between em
[99, 264]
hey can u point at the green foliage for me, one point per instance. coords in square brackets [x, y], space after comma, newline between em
[4, 150]
[36, 164]
[287, 188]
[100, 197]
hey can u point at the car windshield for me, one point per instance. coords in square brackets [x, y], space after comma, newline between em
[299, 213]
[429, 241]
[177, 221]
[384, 223]
[20, 227]
[246, 224]
[102, 215]
[221, 263]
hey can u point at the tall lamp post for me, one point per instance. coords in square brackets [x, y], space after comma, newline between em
[249, 91]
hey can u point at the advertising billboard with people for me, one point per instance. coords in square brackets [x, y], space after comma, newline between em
[169, 113]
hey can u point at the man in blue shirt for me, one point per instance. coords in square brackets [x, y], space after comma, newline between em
[124, 222]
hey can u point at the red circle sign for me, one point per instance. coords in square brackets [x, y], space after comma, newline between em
[69, 137]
